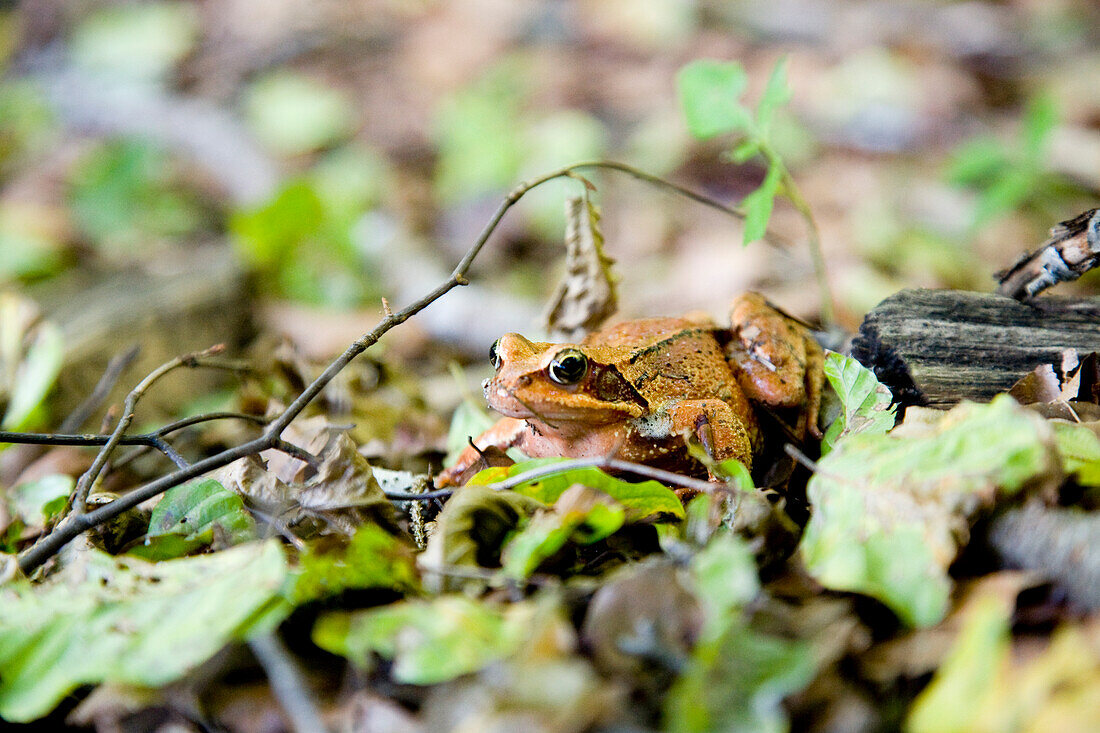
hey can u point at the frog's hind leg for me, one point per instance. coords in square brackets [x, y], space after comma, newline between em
[723, 434]
[777, 361]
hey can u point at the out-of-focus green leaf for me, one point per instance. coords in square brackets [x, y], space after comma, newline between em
[725, 578]
[644, 501]
[124, 196]
[270, 233]
[429, 642]
[548, 143]
[126, 621]
[776, 94]
[758, 204]
[141, 42]
[745, 150]
[26, 121]
[908, 499]
[294, 114]
[736, 682]
[966, 676]
[36, 501]
[200, 505]
[350, 180]
[373, 558]
[578, 516]
[976, 161]
[1079, 448]
[710, 93]
[303, 245]
[34, 376]
[865, 403]
[478, 133]
[984, 684]
[1040, 119]
[1012, 188]
[29, 245]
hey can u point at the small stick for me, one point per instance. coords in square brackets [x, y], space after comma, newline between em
[287, 683]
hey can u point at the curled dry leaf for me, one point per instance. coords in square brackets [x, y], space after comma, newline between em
[471, 530]
[586, 296]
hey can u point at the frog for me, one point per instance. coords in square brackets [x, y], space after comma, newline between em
[639, 390]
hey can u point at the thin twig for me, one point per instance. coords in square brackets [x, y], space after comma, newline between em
[207, 417]
[162, 445]
[615, 464]
[287, 683]
[115, 367]
[88, 478]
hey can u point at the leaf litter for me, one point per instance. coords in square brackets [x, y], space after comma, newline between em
[554, 602]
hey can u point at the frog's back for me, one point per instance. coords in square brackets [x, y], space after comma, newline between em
[667, 358]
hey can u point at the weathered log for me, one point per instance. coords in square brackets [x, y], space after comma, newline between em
[936, 347]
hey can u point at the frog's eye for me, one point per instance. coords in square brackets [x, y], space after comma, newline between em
[494, 355]
[568, 366]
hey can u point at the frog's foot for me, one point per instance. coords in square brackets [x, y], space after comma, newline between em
[723, 434]
[777, 361]
[506, 433]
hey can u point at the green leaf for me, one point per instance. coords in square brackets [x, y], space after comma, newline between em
[36, 501]
[737, 682]
[968, 674]
[429, 642]
[645, 501]
[1040, 119]
[776, 94]
[139, 42]
[372, 559]
[294, 114]
[125, 621]
[478, 137]
[977, 161]
[725, 578]
[710, 94]
[1079, 448]
[865, 403]
[126, 196]
[269, 234]
[908, 499]
[758, 204]
[1005, 194]
[35, 375]
[577, 517]
[745, 150]
[202, 508]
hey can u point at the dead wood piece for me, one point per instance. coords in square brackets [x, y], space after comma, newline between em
[937, 347]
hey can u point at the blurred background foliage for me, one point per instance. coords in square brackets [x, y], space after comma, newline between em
[348, 150]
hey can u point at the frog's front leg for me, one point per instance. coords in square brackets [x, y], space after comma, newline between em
[777, 360]
[505, 433]
[722, 432]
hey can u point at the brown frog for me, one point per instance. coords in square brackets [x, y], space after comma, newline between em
[635, 390]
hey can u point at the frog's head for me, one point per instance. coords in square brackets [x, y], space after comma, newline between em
[558, 382]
